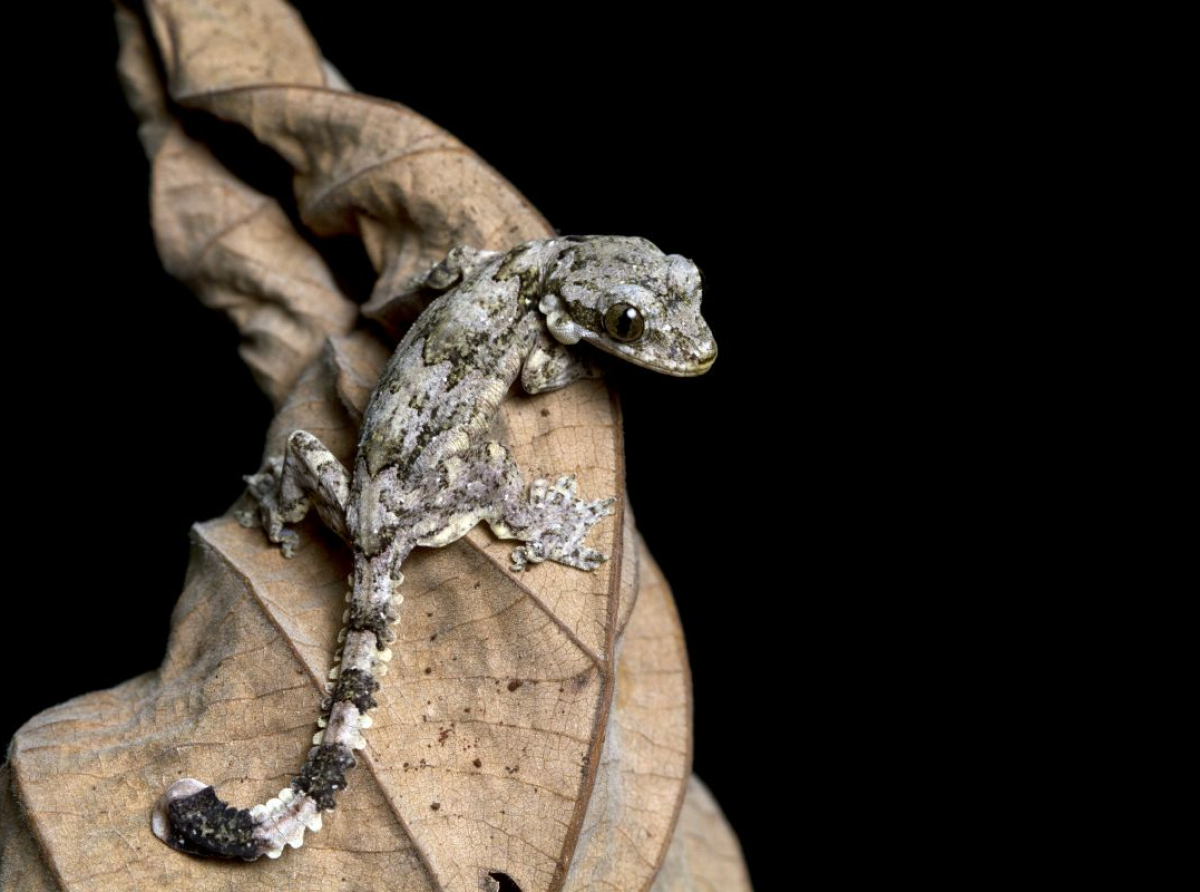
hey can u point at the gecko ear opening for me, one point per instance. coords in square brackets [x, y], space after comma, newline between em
[560, 323]
[565, 331]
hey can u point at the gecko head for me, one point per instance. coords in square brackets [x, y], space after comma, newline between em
[628, 298]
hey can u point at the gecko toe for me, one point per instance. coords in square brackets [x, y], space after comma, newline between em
[288, 541]
[590, 559]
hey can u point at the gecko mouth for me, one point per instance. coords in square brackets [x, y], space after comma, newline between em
[687, 368]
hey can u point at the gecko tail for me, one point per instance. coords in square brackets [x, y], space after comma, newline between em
[191, 818]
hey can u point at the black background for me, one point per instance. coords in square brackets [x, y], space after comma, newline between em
[133, 417]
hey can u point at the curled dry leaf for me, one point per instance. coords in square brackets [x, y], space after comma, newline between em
[231, 244]
[363, 166]
[536, 726]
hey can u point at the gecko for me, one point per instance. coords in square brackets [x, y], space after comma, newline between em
[425, 473]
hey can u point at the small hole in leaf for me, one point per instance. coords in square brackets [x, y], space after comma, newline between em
[507, 884]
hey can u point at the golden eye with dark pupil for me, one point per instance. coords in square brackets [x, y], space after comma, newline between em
[624, 322]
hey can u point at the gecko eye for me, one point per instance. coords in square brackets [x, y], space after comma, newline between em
[624, 322]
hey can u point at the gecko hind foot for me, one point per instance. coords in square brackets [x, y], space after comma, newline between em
[557, 523]
[264, 488]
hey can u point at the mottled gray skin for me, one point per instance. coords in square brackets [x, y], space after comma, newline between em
[424, 474]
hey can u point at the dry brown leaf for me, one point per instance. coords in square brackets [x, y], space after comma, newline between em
[21, 864]
[647, 747]
[231, 244]
[705, 855]
[538, 725]
[243, 668]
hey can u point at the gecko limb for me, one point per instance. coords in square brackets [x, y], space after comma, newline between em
[551, 365]
[553, 522]
[550, 517]
[485, 484]
[307, 476]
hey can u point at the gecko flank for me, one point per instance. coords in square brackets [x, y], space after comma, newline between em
[424, 473]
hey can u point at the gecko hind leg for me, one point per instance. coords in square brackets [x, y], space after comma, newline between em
[307, 476]
[550, 518]
[553, 522]
[485, 484]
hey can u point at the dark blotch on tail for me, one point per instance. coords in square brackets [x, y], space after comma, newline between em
[201, 824]
[378, 620]
[354, 686]
[324, 773]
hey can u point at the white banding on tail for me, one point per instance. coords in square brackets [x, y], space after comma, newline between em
[282, 821]
[209, 826]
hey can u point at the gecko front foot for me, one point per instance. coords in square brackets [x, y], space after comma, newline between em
[556, 521]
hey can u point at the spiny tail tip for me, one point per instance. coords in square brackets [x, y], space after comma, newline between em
[190, 818]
